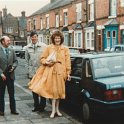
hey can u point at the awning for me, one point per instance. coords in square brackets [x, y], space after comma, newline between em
[78, 26]
[90, 24]
[65, 29]
[42, 31]
[111, 22]
[47, 32]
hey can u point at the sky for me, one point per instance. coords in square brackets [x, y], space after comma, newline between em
[15, 7]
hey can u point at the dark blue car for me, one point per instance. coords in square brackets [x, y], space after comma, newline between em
[97, 83]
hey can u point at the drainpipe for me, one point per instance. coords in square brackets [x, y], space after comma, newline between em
[95, 43]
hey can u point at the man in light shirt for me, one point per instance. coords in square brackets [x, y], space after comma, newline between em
[32, 56]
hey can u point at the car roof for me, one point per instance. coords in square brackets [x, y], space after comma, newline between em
[122, 45]
[98, 55]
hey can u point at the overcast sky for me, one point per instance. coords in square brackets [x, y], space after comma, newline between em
[15, 7]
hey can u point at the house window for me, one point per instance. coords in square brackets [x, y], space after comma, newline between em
[78, 39]
[66, 39]
[65, 18]
[99, 32]
[41, 39]
[92, 39]
[122, 3]
[113, 38]
[79, 12]
[34, 24]
[47, 22]
[41, 24]
[9, 30]
[29, 22]
[89, 36]
[57, 21]
[88, 39]
[21, 33]
[113, 7]
[91, 10]
[108, 39]
[47, 39]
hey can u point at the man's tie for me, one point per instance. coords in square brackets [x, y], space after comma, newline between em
[34, 47]
[7, 52]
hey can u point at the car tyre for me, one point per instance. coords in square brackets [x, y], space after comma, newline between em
[87, 112]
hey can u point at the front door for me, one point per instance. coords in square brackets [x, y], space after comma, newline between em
[110, 36]
[122, 36]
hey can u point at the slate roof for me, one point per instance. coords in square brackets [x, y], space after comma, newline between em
[50, 6]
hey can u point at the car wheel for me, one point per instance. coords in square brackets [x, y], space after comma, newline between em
[87, 112]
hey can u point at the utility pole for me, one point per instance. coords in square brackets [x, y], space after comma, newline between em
[95, 43]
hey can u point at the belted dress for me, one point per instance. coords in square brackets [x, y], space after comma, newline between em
[49, 82]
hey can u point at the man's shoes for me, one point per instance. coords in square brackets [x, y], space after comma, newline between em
[1, 113]
[38, 110]
[15, 113]
[35, 110]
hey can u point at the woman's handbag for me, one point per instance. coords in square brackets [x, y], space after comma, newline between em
[52, 57]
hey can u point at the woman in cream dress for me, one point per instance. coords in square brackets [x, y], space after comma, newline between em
[49, 81]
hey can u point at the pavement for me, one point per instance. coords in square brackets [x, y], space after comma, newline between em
[24, 105]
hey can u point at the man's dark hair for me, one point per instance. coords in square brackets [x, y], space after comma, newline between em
[33, 33]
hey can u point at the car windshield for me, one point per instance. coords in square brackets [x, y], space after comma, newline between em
[108, 66]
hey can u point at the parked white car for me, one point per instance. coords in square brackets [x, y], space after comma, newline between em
[17, 49]
[119, 47]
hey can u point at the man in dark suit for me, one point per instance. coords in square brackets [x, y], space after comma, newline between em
[8, 63]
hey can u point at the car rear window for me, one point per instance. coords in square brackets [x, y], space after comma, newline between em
[108, 66]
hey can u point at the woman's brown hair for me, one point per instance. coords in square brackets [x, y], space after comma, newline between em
[57, 33]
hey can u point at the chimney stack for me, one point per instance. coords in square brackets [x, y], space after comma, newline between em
[23, 13]
[5, 12]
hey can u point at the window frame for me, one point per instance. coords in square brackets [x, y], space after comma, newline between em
[91, 10]
[112, 8]
[90, 39]
[79, 12]
[76, 38]
[65, 18]
[57, 20]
